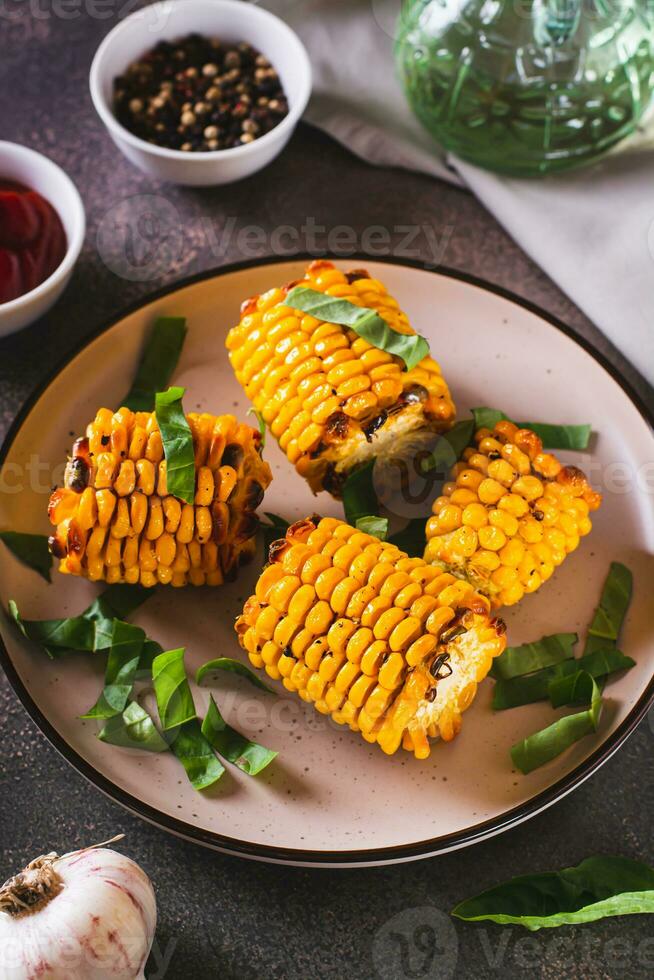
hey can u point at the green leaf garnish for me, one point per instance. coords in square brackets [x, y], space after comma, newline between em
[158, 362]
[541, 747]
[532, 656]
[122, 663]
[574, 437]
[196, 755]
[177, 714]
[232, 666]
[133, 729]
[449, 448]
[359, 497]
[554, 682]
[149, 651]
[596, 888]
[609, 615]
[30, 549]
[378, 526]
[177, 444]
[601, 664]
[89, 632]
[411, 348]
[552, 436]
[231, 745]
[171, 688]
[260, 422]
[411, 538]
[276, 529]
[487, 418]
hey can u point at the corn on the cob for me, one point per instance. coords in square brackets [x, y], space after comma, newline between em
[331, 399]
[116, 522]
[384, 643]
[510, 515]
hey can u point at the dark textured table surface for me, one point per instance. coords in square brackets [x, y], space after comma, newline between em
[219, 916]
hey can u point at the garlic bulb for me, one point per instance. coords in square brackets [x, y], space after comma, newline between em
[88, 915]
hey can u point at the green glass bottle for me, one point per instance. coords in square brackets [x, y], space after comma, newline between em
[527, 87]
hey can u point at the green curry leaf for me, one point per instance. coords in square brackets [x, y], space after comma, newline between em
[158, 362]
[411, 348]
[596, 888]
[177, 442]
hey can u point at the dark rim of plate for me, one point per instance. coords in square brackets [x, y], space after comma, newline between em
[288, 855]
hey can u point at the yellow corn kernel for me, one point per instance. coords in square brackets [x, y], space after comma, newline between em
[146, 476]
[121, 525]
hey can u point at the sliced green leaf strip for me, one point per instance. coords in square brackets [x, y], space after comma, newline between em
[196, 755]
[411, 348]
[411, 538]
[569, 690]
[543, 746]
[596, 888]
[609, 615]
[449, 448]
[487, 418]
[373, 525]
[30, 549]
[133, 729]
[532, 656]
[122, 663]
[158, 363]
[553, 436]
[556, 682]
[89, 632]
[231, 745]
[171, 687]
[260, 422]
[231, 666]
[177, 444]
[359, 497]
[574, 437]
[516, 691]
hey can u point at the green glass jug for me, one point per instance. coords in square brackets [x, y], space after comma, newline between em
[527, 87]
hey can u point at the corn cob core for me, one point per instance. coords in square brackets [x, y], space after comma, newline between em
[330, 398]
[510, 515]
[115, 520]
[384, 643]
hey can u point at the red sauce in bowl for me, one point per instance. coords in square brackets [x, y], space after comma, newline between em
[32, 240]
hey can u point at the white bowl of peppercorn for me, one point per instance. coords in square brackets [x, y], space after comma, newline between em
[201, 92]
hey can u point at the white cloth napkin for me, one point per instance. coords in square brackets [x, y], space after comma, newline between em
[592, 230]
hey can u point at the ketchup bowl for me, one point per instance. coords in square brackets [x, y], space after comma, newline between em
[57, 209]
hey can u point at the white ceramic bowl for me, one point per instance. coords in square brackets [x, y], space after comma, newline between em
[28, 167]
[232, 21]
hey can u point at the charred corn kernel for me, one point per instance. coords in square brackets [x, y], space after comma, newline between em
[331, 399]
[115, 520]
[406, 660]
[521, 514]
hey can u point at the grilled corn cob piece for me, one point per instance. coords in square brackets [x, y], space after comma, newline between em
[510, 515]
[331, 399]
[116, 522]
[384, 643]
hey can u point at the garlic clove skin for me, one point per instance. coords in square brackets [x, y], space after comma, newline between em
[100, 924]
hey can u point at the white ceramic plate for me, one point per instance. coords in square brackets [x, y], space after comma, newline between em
[330, 798]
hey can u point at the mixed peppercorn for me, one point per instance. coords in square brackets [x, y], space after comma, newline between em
[199, 94]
